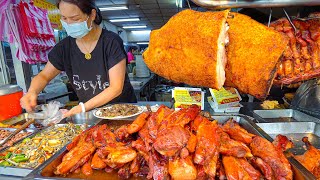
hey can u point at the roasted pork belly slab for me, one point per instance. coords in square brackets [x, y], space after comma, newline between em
[190, 48]
[253, 54]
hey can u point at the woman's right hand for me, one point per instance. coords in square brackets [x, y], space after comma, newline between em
[29, 101]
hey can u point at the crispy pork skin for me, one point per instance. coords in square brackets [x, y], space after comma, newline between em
[253, 55]
[190, 48]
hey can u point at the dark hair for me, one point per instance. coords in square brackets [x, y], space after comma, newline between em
[86, 7]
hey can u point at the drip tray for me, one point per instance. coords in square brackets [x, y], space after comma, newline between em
[295, 131]
[282, 115]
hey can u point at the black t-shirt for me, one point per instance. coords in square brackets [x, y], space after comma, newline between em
[90, 77]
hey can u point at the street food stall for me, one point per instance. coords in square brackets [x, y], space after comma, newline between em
[201, 133]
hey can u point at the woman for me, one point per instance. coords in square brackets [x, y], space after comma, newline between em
[130, 55]
[93, 58]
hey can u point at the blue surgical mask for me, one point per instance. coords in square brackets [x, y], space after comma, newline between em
[77, 30]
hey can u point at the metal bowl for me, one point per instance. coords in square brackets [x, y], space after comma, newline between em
[83, 118]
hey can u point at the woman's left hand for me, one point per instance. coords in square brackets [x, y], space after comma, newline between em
[75, 110]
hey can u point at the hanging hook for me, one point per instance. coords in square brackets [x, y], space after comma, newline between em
[189, 4]
[290, 21]
[270, 16]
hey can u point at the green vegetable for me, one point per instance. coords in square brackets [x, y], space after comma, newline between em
[19, 159]
[19, 155]
[8, 155]
[78, 127]
[4, 164]
[2, 157]
[26, 140]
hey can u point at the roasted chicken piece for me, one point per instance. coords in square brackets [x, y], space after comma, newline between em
[264, 149]
[97, 162]
[141, 148]
[207, 150]
[156, 119]
[192, 41]
[171, 140]
[230, 147]
[180, 118]
[158, 166]
[182, 169]
[138, 123]
[253, 55]
[236, 132]
[120, 155]
[253, 173]
[263, 167]
[86, 169]
[311, 158]
[233, 169]
[78, 155]
[282, 142]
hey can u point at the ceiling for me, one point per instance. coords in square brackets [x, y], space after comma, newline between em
[152, 13]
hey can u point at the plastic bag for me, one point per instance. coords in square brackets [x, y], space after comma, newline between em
[51, 113]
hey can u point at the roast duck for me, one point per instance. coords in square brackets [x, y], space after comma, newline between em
[182, 144]
[215, 49]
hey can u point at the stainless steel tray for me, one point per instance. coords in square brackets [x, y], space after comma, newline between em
[81, 118]
[45, 171]
[295, 131]
[21, 119]
[283, 115]
[18, 171]
[33, 131]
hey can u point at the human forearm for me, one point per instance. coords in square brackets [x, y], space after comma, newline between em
[104, 97]
[38, 83]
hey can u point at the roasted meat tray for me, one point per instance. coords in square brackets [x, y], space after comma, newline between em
[13, 157]
[302, 139]
[48, 168]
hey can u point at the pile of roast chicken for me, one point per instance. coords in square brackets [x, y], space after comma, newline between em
[184, 144]
[301, 58]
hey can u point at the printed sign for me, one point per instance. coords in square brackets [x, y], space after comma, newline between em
[53, 12]
[185, 97]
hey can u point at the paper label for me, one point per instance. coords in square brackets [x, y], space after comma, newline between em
[225, 97]
[185, 97]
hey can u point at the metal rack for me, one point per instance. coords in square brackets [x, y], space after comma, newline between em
[217, 4]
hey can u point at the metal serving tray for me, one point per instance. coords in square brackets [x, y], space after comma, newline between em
[33, 131]
[295, 131]
[282, 115]
[18, 171]
[45, 170]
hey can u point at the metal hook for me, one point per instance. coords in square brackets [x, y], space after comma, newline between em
[189, 4]
[270, 16]
[290, 21]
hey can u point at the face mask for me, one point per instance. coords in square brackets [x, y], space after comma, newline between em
[77, 30]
